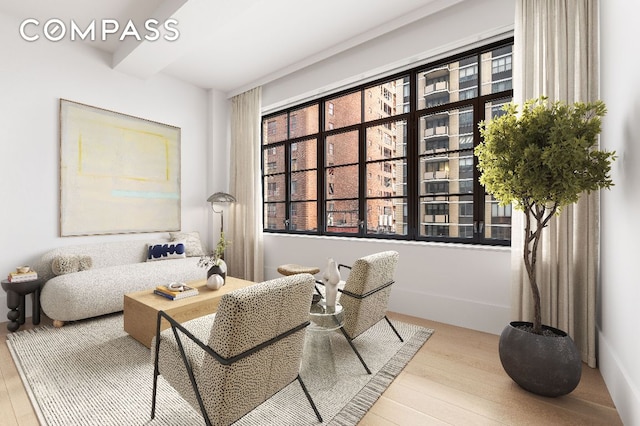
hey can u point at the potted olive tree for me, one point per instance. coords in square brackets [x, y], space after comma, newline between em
[541, 160]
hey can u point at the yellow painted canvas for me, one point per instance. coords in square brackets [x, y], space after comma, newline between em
[118, 173]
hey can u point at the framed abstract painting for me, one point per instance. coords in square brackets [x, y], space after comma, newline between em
[118, 173]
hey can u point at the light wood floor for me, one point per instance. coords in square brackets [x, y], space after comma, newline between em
[456, 378]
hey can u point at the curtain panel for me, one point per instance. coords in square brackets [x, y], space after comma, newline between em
[556, 54]
[245, 258]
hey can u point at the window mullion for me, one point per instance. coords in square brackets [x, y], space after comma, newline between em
[287, 182]
[321, 190]
[362, 170]
[413, 188]
[478, 190]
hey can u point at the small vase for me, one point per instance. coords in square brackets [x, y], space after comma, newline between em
[220, 269]
[331, 278]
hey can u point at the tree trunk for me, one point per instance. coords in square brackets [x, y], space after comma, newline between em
[530, 258]
[542, 216]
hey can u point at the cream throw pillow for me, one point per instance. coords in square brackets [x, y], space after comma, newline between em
[191, 241]
[67, 264]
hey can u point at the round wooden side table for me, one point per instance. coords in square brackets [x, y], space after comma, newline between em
[294, 269]
[16, 293]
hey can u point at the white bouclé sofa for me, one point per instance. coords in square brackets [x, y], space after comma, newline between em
[114, 269]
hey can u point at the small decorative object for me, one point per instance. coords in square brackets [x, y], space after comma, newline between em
[214, 262]
[176, 286]
[220, 269]
[214, 282]
[22, 269]
[331, 278]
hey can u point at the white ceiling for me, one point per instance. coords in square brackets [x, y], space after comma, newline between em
[230, 45]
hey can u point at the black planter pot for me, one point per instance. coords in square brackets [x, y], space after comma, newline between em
[544, 365]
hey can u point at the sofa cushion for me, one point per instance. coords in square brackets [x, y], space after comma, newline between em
[191, 240]
[170, 250]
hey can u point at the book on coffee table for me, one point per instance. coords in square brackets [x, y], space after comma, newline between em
[187, 291]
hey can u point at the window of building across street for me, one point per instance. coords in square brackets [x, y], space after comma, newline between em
[391, 158]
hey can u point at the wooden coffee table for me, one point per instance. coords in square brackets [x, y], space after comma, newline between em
[141, 308]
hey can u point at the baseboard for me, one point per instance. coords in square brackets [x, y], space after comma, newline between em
[624, 394]
[460, 312]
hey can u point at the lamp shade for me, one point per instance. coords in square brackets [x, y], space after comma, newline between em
[221, 197]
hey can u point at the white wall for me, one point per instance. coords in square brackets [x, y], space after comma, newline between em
[33, 76]
[462, 285]
[620, 286]
[458, 28]
[219, 151]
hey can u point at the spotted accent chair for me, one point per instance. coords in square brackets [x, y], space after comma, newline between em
[365, 295]
[240, 356]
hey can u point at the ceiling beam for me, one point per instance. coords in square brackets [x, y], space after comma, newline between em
[196, 19]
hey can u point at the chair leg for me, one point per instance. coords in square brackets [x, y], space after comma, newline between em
[364, 364]
[393, 328]
[156, 373]
[306, 393]
[155, 388]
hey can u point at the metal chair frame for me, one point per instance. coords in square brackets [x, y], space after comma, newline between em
[175, 326]
[363, 296]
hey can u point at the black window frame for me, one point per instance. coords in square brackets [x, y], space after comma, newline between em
[412, 196]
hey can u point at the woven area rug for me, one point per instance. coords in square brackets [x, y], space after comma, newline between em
[93, 373]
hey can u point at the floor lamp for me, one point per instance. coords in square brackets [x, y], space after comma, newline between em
[220, 198]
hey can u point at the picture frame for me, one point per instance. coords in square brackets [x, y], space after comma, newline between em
[118, 173]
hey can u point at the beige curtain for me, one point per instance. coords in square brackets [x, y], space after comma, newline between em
[245, 254]
[556, 54]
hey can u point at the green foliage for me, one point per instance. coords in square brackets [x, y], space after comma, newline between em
[217, 255]
[541, 161]
[545, 156]
[220, 247]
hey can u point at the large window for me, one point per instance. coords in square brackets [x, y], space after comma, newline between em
[393, 158]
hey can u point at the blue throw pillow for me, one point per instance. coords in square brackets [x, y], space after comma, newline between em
[172, 250]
